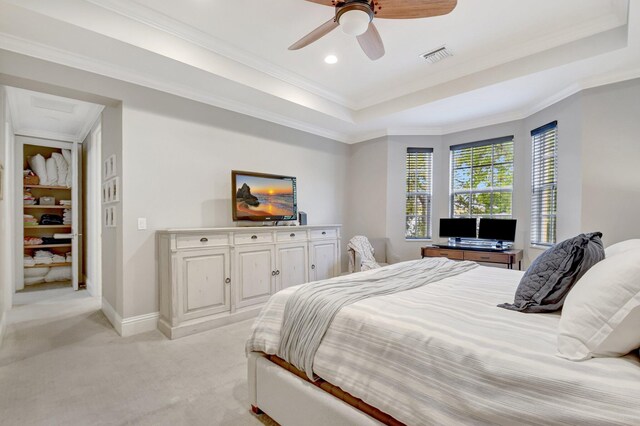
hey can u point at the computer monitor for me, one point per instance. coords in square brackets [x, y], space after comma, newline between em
[457, 228]
[497, 229]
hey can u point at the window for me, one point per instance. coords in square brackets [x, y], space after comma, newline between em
[418, 206]
[482, 178]
[544, 184]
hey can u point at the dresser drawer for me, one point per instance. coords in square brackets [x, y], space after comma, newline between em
[199, 241]
[320, 234]
[486, 257]
[293, 235]
[438, 252]
[253, 238]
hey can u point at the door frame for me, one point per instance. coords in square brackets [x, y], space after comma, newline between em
[93, 200]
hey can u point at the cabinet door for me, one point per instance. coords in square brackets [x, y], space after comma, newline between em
[324, 260]
[204, 287]
[254, 275]
[292, 265]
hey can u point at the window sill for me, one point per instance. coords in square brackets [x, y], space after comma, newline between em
[540, 247]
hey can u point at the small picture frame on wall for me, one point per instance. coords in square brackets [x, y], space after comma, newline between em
[110, 167]
[110, 217]
[111, 191]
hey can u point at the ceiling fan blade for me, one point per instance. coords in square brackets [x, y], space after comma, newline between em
[371, 43]
[410, 9]
[316, 34]
[405, 9]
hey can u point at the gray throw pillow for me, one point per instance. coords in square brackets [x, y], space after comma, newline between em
[548, 280]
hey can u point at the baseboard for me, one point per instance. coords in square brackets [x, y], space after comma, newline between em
[140, 324]
[112, 316]
[132, 325]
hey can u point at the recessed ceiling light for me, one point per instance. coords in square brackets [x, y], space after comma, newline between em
[331, 59]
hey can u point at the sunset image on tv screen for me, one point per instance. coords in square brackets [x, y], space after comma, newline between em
[263, 197]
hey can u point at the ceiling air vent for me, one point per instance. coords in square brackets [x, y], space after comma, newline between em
[436, 55]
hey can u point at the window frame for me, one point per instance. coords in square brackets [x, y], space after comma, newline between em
[490, 190]
[541, 135]
[428, 193]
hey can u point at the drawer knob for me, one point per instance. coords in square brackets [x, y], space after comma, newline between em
[324, 233]
[278, 272]
[292, 235]
[273, 273]
[313, 266]
[228, 280]
[204, 240]
[254, 237]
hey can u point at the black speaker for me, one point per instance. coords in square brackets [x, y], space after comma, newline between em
[302, 218]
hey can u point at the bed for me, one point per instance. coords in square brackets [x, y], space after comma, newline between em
[442, 353]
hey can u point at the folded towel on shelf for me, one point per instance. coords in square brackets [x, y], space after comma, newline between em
[32, 241]
[69, 258]
[43, 260]
[51, 219]
[52, 240]
[28, 198]
[28, 261]
[58, 259]
[65, 202]
[66, 217]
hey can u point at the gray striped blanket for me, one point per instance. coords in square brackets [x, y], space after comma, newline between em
[444, 354]
[311, 309]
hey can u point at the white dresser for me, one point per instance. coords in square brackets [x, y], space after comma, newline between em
[215, 276]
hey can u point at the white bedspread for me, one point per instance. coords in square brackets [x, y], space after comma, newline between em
[445, 354]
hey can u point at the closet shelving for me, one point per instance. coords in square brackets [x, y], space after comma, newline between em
[37, 210]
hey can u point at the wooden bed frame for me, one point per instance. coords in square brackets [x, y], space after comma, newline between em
[286, 394]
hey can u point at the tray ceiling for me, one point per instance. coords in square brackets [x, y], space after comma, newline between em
[234, 55]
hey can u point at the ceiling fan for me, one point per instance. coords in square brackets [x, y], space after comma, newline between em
[355, 17]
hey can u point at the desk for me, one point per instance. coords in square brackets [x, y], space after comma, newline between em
[507, 257]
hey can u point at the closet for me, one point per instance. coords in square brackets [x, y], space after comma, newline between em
[51, 219]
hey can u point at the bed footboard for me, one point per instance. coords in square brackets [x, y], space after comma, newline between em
[292, 400]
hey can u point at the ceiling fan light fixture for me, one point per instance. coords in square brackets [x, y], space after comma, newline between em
[331, 59]
[354, 19]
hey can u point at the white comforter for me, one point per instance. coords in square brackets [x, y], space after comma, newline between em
[445, 354]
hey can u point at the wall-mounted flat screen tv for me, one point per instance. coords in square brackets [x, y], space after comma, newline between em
[457, 228]
[263, 197]
[497, 229]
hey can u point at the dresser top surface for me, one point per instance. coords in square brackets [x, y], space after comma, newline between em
[243, 229]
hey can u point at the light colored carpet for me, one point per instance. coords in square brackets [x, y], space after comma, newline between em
[61, 363]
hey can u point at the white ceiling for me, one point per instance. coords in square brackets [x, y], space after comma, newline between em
[51, 117]
[511, 58]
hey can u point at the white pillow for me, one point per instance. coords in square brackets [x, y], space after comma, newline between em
[33, 280]
[63, 168]
[601, 314]
[38, 165]
[52, 171]
[36, 272]
[621, 247]
[58, 273]
[66, 153]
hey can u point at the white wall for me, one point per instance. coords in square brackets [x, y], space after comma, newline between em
[611, 161]
[177, 160]
[6, 213]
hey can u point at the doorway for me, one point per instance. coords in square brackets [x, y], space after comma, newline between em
[57, 150]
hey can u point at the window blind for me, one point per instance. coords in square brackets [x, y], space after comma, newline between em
[482, 178]
[544, 184]
[419, 164]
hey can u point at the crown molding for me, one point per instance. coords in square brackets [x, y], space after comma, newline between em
[91, 118]
[137, 12]
[44, 134]
[37, 50]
